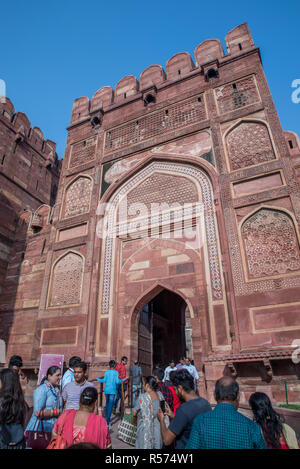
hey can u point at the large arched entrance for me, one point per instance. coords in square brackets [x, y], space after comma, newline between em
[160, 228]
[163, 331]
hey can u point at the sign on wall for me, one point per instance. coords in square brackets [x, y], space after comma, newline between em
[48, 360]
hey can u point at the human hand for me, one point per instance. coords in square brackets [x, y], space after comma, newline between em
[169, 412]
[160, 415]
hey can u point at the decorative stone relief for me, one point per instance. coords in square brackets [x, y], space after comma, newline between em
[249, 144]
[240, 286]
[66, 280]
[236, 95]
[176, 116]
[271, 244]
[82, 152]
[210, 226]
[78, 196]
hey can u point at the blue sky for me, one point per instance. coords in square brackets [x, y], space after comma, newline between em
[54, 52]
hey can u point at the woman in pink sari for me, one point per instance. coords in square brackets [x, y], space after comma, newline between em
[83, 425]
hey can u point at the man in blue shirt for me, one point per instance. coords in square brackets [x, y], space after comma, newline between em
[111, 379]
[225, 427]
[68, 376]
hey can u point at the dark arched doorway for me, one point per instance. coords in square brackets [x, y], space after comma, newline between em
[163, 331]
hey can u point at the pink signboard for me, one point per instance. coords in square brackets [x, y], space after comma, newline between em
[48, 360]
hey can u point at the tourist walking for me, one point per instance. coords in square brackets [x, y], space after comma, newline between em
[68, 376]
[168, 370]
[224, 427]
[181, 363]
[111, 381]
[83, 425]
[47, 401]
[193, 405]
[136, 375]
[148, 430]
[158, 374]
[12, 411]
[192, 370]
[71, 392]
[121, 369]
[276, 433]
[176, 402]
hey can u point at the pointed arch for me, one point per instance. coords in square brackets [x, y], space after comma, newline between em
[255, 144]
[77, 196]
[108, 245]
[269, 243]
[66, 279]
[151, 293]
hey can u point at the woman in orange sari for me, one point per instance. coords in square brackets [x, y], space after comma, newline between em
[83, 425]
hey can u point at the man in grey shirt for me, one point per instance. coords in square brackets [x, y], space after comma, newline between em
[136, 374]
[71, 392]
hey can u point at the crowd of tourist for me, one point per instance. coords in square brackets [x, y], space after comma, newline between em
[167, 409]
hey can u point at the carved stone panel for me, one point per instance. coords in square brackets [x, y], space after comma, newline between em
[66, 281]
[78, 196]
[249, 144]
[271, 244]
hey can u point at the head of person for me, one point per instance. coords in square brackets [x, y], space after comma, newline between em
[266, 417]
[183, 383]
[15, 363]
[80, 372]
[124, 360]
[13, 408]
[112, 364]
[172, 364]
[171, 376]
[227, 391]
[53, 376]
[182, 361]
[73, 361]
[150, 383]
[88, 399]
[187, 361]
[158, 374]
[136, 363]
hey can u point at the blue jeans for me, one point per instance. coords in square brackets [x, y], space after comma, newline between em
[109, 402]
[119, 395]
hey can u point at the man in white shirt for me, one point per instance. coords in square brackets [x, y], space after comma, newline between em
[168, 370]
[68, 376]
[192, 370]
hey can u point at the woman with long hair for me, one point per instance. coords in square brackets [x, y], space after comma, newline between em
[47, 401]
[83, 425]
[277, 434]
[148, 434]
[12, 411]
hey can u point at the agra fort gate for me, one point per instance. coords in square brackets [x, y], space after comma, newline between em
[175, 227]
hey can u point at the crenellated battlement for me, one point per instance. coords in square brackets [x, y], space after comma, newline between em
[178, 67]
[33, 136]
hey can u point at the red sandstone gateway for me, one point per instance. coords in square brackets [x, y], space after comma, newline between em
[175, 228]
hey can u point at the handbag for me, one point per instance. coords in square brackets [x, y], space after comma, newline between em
[127, 430]
[37, 439]
[58, 441]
